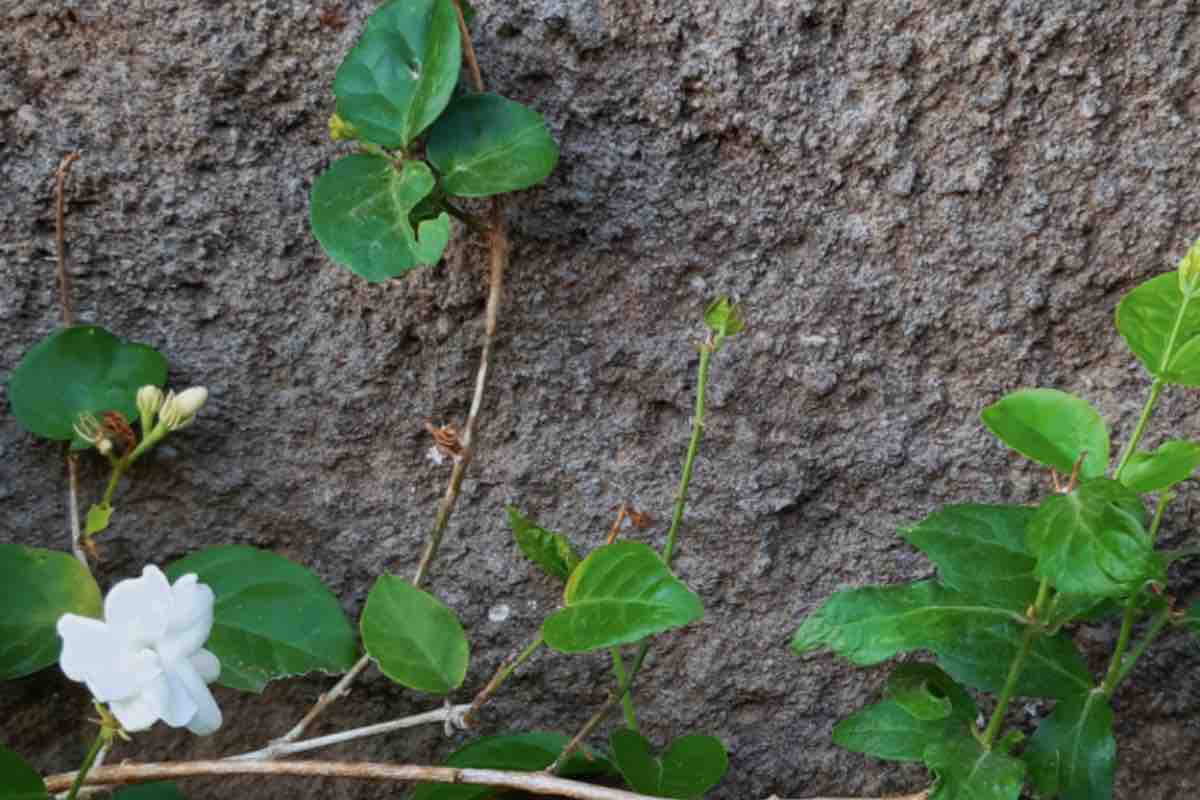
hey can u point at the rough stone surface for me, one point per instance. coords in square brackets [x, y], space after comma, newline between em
[922, 206]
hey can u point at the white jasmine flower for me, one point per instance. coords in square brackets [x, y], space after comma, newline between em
[178, 410]
[146, 659]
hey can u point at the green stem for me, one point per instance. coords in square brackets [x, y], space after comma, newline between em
[117, 471]
[503, 674]
[1160, 621]
[86, 766]
[1117, 666]
[1014, 671]
[626, 697]
[1155, 390]
[689, 461]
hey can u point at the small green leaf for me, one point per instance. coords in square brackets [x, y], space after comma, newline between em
[724, 318]
[417, 640]
[1155, 316]
[160, 790]
[689, 767]
[360, 215]
[400, 75]
[84, 369]
[620, 593]
[97, 519]
[966, 771]
[927, 693]
[486, 144]
[980, 550]
[36, 588]
[973, 641]
[1073, 754]
[1173, 462]
[1091, 541]
[272, 617]
[550, 551]
[523, 752]
[18, 780]
[1192, 617]
[1051, 428]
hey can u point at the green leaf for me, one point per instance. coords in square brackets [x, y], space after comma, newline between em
[523, 752]
[18, 780]
[927, 693]
[689, 767]
[1155, 316]
[417, 640]
[1051, 428]
[400, 75]
[966, 771]
[36, 588]
[550, 551]
[1192, 617]
[272, 617]
[980, 550]
[620, 593]
[925, 706]
[84, 369]
[360, 215]
[486, 144]
[1091, 541]
[1173, 462]
[160, 790]
[97, 519]
[1073, 754]
[974, 642]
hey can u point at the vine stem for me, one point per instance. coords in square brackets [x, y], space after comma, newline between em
[1018, 664]
[531, 782]
[706, 350]
[498, 262]
[502, 674]
[1148, 409]
[1118, 666]
[88, 760]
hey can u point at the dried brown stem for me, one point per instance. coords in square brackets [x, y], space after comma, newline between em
[60, 212]
[468, 48]
[531, 782]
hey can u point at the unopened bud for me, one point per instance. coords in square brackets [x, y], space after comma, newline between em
[339, 129]
[1189, 272]
[178, 410]
[149, 400]
[104, 446]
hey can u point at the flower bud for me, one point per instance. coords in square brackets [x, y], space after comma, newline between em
[1189, 272]
[149, 400]
[178, 410]
[339, 129]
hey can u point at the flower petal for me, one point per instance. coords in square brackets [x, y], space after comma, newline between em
[208, 667]
[92, 655]
[208, 715]
[139, 712]
[138, 609]
[190, 621]
[180, 707]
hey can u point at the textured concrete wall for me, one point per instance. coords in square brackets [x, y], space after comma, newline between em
[922, 205]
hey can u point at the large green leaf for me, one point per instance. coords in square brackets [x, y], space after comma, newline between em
[272, 617]
[1051, 428]
[18, 780]
[36, 588]
[84, 369]
[1073, 754]
[486, 144]
[1173, 462]
[1192, 616]
[360, 214]
[523, 752]
[689, 767]
[620, 593]
[1091, 541]
[980, 550]
[1156, 316]
[417, 640]
[974, 642]
[550, 551]
[966, 771]
[400, 75]
[923, 705]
